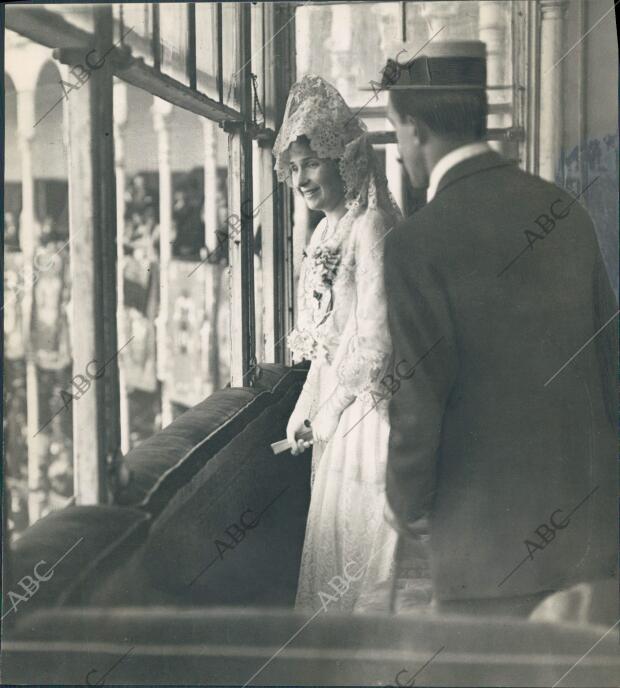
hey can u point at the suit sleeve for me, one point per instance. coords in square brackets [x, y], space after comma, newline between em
[426, 365]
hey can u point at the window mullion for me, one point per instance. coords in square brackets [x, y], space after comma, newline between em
[92, 220]
[278, 41]
[240, 223]
[191, 45]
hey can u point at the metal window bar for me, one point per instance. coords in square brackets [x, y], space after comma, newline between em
[220, 56]
[509, 134]
[191, 45]
[51, 30]
[241, 243]
[156, 39]
[278, 30]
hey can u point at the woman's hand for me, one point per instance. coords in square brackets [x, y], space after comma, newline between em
[324, 424]
[296, 425]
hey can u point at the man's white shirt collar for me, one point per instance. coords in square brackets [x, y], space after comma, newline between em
[450, 160]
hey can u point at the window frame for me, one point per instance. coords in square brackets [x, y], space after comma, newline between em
[70, 44]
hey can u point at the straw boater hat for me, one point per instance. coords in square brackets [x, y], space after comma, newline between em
[446, 66]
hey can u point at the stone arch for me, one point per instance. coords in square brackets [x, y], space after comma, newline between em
[49, 153]
[24, 60]
[12, 168]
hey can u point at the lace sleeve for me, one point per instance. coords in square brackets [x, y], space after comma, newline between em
[308, 398]
[369, 348]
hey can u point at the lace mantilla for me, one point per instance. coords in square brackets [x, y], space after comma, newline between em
[341, 316]
[316, 110]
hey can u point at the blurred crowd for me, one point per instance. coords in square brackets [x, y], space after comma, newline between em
[46, 342]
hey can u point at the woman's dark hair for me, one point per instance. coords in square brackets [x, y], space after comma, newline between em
[304, 140]
[454, 114]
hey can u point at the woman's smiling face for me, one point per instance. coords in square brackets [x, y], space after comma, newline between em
[317, 179]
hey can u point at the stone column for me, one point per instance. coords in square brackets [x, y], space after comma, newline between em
[551, 120]
[339, 44]
[162, 113]
[93, 233]
[442, 14]
[304, 24]
[29, 235]
[120, 123]
[211, 272]
[390, 33]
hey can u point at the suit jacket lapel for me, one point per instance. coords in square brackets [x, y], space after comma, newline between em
[479, 163]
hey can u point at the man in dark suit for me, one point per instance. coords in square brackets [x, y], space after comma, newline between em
[503, 401]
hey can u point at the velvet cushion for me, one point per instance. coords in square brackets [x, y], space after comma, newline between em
[214, 418]
[233, 426]
[71, 539]
[225, 482]
[206, 526]
[166, 461]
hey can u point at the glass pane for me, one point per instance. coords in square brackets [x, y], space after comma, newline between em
[133, 26]
[355, 41]
[358, 39]
[174, 305]
[139, 295]
[230, 31]
[173, 32]
[206, 49]
[198, 322]
[37, 351]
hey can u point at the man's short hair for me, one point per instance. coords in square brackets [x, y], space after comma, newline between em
[450, 113]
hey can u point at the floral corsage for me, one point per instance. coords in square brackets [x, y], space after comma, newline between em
[323, 268]
[302, 345]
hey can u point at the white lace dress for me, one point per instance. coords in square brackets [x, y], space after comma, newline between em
[348, 555]
[349, 550]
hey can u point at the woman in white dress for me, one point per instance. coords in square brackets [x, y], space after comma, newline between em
[322, 150]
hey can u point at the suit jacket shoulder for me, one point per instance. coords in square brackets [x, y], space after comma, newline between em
[486, 202]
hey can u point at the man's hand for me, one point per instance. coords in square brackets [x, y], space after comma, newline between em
[412, 529]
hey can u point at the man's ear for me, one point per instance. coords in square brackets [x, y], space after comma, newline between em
[417, 130]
